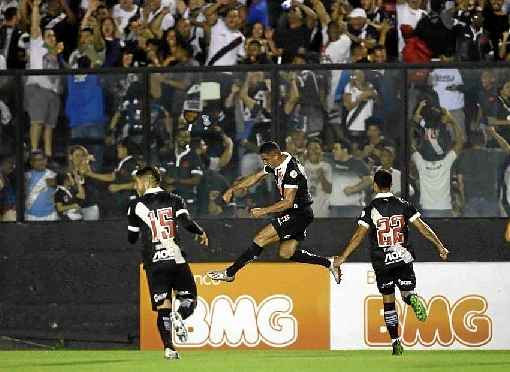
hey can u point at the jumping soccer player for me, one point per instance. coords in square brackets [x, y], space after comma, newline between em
[294, 213]
[155, 213]
[387, 219]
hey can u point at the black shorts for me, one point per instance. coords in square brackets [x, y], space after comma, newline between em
[401, 276]
[292, 224]
[170, 277]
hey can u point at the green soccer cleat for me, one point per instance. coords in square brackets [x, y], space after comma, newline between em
[397, 348]
[418, 307]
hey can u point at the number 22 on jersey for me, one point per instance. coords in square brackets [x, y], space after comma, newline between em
[389, 231]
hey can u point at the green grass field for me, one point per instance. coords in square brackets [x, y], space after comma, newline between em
[256, 361]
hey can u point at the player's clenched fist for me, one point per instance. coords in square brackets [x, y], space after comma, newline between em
[257, 212]
[202, 239]
[227, 196]
[443, 253]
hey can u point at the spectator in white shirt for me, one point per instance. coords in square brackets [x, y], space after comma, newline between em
[42, 99]
[226, 47]
[358, 99]
[435, 185]
[448, 85]
[408, 13]
[319, 175]
[122, 12]
[159, 12]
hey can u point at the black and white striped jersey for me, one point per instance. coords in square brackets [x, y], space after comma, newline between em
[291, 175]
[154, 215]
[387, 218]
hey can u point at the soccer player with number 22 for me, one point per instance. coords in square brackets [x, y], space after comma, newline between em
[386, 219]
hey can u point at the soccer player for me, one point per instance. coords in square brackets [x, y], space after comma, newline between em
[386, 219]
[156, 213]
[294, 213]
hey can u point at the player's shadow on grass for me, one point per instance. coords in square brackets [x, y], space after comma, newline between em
[74, 363]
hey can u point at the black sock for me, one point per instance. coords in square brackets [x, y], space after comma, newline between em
[249, 255]
[165, 327]
[391, 319]
[303, 256]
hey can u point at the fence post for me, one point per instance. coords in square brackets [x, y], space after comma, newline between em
[20, 161]
[404, 148]
[275, 112]
[146, 115]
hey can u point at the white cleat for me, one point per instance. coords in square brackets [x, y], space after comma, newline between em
[335, 271]
[180, 328]
[171, 354]
[220, 275]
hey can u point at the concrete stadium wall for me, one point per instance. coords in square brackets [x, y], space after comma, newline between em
[77, 283]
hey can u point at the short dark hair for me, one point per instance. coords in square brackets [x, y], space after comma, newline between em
[10, 13]
[382, 178]
[61, 178]
[268, 147]
[132, 148]
[149, 171]
[380, 48]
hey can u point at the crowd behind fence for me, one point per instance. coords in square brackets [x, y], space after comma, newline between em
[69, 154]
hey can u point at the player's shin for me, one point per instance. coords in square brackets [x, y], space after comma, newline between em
[165, 327]
[303, 256]
[249, 255]
[391, 320]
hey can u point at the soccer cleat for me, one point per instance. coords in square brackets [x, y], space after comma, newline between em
[171, 354]
[180, 328]
[418, 307]
[221, 276]
[335, 271]
[397, 348]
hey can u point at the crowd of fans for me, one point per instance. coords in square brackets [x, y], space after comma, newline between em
[86, 134]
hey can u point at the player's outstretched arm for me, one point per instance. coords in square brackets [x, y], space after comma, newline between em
[430, 235]
[245, 183]
[189, 224]
[282, 205]
[354, 243]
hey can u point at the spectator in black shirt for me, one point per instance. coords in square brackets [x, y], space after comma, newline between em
[433, 31]
[473, 42]
[503, 112]
[293, 32]
[495, 22]
[10, 34]
[113, 47]
[62, 20]
[254, 54]
[375, 14]
[487, 97]
[184, 169]
[69, 195]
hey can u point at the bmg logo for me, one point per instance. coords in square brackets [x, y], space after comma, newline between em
[464, 321]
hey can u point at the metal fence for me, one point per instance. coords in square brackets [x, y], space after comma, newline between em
[361, 114]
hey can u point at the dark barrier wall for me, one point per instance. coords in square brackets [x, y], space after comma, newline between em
[79, 281]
